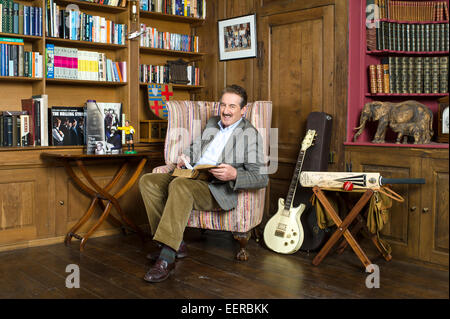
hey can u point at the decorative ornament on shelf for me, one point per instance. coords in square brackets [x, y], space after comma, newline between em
[133, 10]
[407, 118]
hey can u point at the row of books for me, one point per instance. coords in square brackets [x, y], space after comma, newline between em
[152, 38]
[409, 75]
[113, 3]
[408, 37]
[27, 127]
[75, 25]
[187, 8]
[15, 61]
[160, 74]
[38, 125]
[20, 19]
[411, 10]
[74, 64]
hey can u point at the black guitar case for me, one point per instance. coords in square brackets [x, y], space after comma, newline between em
[316, 159]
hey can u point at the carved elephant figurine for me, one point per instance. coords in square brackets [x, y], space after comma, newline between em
[394, 115]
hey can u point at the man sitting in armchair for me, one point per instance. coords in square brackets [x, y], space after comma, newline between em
[229, 141]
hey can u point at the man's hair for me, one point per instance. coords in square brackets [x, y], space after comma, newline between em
[236, 89]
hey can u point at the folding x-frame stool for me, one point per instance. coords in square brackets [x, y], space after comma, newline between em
[343, 225]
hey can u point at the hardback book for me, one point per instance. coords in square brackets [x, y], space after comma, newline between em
[43, 119]
[198, 172]
[102, 120]
[67, 125]
[385, 65]
[373, 78]
[29, 105]
[443, 74]
[24, 130]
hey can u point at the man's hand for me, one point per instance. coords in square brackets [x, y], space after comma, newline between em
[180, 162]
[224, 172]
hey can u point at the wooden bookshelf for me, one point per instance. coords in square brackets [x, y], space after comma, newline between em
[170, 17]
[85, 44]
[94, 6]
[155, 56]
[361, 56]
[417, 228]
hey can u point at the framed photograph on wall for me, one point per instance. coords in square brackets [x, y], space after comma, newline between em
[237, 38]
[443, 121]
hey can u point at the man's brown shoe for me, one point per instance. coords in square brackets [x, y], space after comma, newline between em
[160, 271]
[181, 253]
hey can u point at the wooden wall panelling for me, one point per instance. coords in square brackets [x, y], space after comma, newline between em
[209, 66]
[299, 70]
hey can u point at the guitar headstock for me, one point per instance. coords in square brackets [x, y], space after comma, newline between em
[308, 139]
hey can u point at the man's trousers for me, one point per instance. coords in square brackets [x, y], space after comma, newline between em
[169, 201]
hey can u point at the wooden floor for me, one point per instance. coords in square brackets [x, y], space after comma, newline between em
[113, 267]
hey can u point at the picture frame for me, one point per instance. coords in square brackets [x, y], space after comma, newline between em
[443, 121]
[237, 38]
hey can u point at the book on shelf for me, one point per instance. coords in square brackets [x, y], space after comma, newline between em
[43, 119]
[20, 19]
[67, 125]
[79, 26]
[102, 120]
[152, 38]
[29, 105]
[74, 64]
[409, 75]
[12, 124]
[187, 8]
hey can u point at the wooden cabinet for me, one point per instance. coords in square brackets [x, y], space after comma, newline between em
[418, 228]
[39, 202]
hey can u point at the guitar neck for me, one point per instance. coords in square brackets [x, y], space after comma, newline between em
[294, 181]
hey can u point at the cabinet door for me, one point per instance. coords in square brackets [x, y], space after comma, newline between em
[25, 205]
[402, 229]
[434, 212]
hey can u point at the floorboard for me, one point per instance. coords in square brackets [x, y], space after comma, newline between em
[113, 268]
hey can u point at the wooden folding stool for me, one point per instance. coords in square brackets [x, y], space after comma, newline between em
[342, 227]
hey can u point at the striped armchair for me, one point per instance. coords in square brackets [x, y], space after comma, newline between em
[186, 121]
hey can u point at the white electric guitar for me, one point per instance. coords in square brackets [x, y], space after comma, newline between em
[283, 233]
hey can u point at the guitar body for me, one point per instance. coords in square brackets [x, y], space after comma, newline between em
[283, 232]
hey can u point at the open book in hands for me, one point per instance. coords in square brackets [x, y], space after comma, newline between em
[199, 171]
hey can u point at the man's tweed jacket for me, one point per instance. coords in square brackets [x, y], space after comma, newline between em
[243, 151]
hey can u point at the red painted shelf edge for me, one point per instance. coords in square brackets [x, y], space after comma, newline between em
[413, 22]
[384, 52]
[431, 145]
[407, 94]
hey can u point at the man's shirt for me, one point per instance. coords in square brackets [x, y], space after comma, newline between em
[215, 148]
